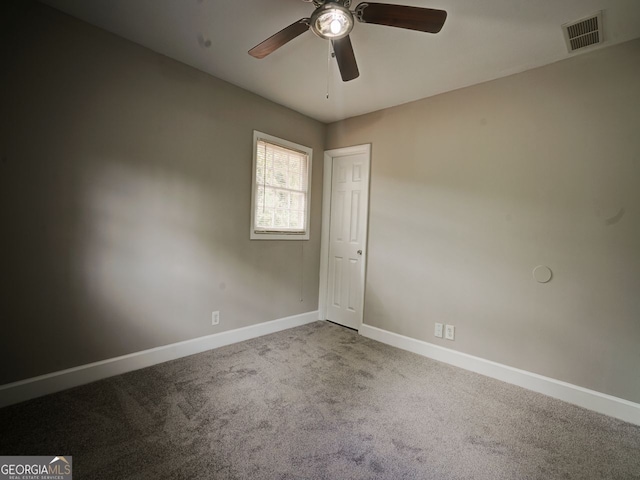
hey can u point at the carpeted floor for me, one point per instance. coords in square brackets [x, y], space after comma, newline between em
[317, 402]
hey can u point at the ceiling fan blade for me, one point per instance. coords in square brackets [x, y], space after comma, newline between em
[401, 16]
[346, 58]
[285, 35]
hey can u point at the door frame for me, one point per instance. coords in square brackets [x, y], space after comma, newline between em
[327, 188]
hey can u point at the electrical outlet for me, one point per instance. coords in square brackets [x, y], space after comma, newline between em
[215, 318]
[438, 330]
[449, 332]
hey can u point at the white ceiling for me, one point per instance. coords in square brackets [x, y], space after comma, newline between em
[481, 40]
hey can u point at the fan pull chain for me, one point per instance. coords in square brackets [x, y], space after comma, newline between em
[329, 55]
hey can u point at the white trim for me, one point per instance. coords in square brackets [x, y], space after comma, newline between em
[265, 235]
[583, 397]
[54, 382]
[326, 222]
[324, 235]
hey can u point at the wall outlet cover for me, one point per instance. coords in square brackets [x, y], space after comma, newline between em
[449, 332]
[215, 318]
[438, 330]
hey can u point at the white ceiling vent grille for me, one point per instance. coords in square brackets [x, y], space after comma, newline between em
[584, 32]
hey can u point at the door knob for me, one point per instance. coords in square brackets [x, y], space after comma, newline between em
[359, 252]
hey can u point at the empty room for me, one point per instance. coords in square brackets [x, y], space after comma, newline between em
[320, 239]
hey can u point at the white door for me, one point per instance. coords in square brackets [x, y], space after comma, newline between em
[347, 237]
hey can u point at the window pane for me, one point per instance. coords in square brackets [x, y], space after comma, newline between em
[270, 197]
[281, 218]
[260, 164]
[297, 201]
[295, 173]
[280, 195]
[260, 197]
[296, 220]
[264, 218]
[280, 168]
[269, 168]
[304, 172]
[282, 200]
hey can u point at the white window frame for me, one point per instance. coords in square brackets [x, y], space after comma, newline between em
[275, 235]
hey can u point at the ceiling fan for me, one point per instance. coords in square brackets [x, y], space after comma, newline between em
[332, 20]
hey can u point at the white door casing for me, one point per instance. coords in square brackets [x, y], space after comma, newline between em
[344, 235]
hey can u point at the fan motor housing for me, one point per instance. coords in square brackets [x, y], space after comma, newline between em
[331, 21]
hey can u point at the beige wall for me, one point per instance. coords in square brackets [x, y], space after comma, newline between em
[125, 182]
[472, 189]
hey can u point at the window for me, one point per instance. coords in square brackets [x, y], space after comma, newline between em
[281, 189]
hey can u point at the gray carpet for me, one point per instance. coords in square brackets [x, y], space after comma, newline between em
[317, 402]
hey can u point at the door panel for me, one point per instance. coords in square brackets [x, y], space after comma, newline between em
[339, 210]
[355, 217]
[349, 182]
[354, 278]
[337, 282]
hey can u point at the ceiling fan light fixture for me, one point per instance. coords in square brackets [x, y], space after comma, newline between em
[332, 21]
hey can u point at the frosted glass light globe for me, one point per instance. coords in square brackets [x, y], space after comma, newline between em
[335, 27]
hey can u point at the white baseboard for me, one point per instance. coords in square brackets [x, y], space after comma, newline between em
[583, 397]
[54, 382]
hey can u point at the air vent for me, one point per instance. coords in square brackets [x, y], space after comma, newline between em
[584, 32]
